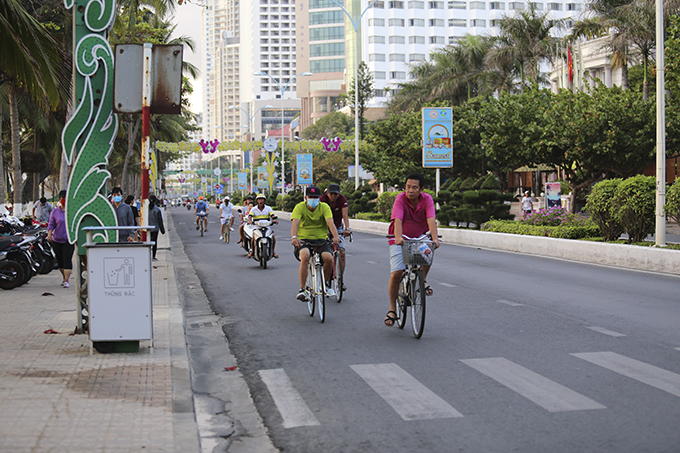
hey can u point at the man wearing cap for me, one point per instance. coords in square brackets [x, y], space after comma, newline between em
[311, 222]
[339, 206]
[226, 215]
[261, 212]
[201, 206]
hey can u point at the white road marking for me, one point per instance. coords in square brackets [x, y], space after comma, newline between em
[507, 302]
[548, 394]
[408, 397]
[371, 262]
[677, 349]
[182, 223]
[640, 371]
[448, 285]
[289, 402]
[611, 333]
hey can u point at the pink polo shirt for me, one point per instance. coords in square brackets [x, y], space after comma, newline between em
[414, 221]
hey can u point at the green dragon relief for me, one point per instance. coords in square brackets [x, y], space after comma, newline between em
[87, 139]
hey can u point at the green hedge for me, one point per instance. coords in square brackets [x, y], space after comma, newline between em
[376, 216]
[563, 232]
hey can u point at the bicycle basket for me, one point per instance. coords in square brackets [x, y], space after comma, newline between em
[417, 253]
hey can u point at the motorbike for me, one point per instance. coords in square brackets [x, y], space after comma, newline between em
[19, 250]
[264, 240]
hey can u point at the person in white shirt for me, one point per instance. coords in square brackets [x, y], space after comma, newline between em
[226, 215]
[261, 212]
[527, 204]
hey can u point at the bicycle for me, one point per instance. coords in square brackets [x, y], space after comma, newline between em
[316, 283]
[416, 253]
[225, 235]
[337, 276]
[201, 221]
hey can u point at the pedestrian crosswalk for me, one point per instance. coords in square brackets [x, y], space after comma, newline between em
[412, 400]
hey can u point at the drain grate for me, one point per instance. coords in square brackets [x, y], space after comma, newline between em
[198, 325]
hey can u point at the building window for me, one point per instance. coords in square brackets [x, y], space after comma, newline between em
[379, 5]
[416, 57]
[539, 6]
[477, 5]
[454, 40]
[555, 6]
[416, 40]
[396, 22]
[327, 49]
[457, 5]
[573, 7]
[416, 22]
[397, 57]
[457, 23]
[376, 57]
[436, 40]
[317, 4]
[435, 5]
[376, 40]
[436, 22]
[396, 5]
[477, 23]
[416, 5]
[397, 75]
[516, 6]
[397, 40]
[336, 65]
[326, 17]
[495, 22]
[379, 75]
[378, 93]
[497, 5]
[326, 33]
[376, 22]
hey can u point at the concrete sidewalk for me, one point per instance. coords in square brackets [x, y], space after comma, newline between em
[55, 396]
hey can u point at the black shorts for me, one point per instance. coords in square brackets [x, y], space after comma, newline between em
[64, 253]
[322, 244]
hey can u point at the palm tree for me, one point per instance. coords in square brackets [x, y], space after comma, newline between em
[32, 62]
[524, 42]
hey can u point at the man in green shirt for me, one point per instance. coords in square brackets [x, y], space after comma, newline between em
[311, 222]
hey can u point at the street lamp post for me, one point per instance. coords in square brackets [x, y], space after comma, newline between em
[356, 23]
[250, 128]
[283, 139]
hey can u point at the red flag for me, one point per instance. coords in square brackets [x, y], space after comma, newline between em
[570, 64]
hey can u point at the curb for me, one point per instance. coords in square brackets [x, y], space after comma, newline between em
[616, 255]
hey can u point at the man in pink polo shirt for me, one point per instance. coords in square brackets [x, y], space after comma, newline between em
[413, 215]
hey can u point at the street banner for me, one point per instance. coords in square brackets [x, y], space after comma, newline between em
[304, 169]
[437, 145]
[262, 178]
[243, 181]
[553, 194]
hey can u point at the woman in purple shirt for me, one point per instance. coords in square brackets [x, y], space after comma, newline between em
[56, 234]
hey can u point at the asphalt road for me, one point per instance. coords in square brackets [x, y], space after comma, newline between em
[520, 353]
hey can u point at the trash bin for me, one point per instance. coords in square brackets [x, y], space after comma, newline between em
[120, 292]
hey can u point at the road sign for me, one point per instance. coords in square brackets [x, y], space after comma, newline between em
[219, 188]
[217, 172]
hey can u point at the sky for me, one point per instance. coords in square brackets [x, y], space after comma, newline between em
[188, 21]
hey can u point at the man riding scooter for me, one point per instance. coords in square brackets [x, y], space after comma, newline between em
[261, 212]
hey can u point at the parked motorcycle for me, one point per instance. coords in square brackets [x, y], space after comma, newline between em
[264, 241]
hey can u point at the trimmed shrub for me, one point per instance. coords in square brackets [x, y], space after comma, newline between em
[554, 216]
[491, 183]
[599, 206]
[634, 206]
[385, 203]
[672, 206]
[375, 216]
[466, 185]
[587, 230]
[291, 199]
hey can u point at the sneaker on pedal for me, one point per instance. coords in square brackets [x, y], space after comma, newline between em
[330, 292]
[231, 229]
[302, 295]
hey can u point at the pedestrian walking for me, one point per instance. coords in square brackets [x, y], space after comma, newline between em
[42, 210]
[527, 204]
[155, 219]
[57, 235]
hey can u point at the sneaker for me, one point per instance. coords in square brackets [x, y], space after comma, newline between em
[154, 259]
[65, 284]
[302, 295]
[330, 292]
[231, 229]
[221, 238]
[197, 227]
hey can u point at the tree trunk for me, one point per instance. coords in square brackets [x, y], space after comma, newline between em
[624, 77]
[3, 193]
[16, 149]
[131, 146]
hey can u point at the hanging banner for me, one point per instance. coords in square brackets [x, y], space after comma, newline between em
[262, 178]
[304, 169]
[243, 181]
[553, 194]
[437, 145]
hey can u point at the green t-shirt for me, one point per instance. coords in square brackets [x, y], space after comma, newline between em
[312, 223]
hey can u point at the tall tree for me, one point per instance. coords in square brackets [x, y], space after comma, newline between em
[365, 94]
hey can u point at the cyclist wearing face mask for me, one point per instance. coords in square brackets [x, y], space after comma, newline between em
[311, 222]
[123, 214]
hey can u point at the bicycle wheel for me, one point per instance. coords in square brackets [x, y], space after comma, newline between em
[337, 276]
[418, 304]
[310, 289]
[226, 234]
[402, 297]
[202, 227]
[320, 293]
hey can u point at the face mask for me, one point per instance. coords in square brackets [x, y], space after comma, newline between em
[62, 202]
[117, 198]
[312, 202]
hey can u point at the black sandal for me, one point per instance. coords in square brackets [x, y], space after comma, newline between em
[390, 319]
[428, 290]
